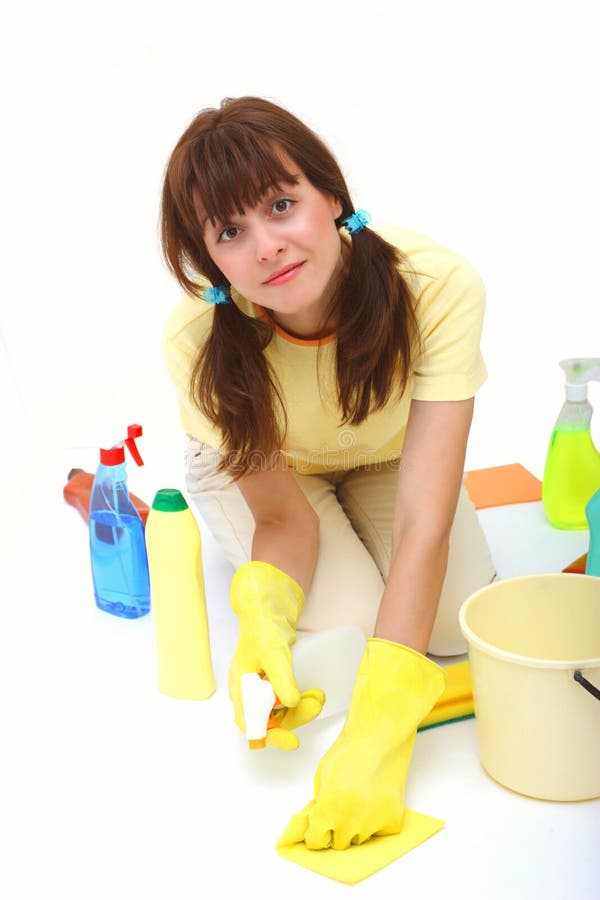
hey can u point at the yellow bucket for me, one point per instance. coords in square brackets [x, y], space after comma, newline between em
[534, 649]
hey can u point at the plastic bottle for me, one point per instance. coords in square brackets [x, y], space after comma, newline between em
[572, 470]
[178, 599]
[592, 512]
[326, 659]
[117, 547]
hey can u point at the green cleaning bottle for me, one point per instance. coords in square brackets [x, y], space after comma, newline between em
[572, 471]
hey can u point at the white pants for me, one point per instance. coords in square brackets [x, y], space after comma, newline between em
[355, 511]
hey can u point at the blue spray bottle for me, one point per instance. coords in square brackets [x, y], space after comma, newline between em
[117, 544]
[592, 512]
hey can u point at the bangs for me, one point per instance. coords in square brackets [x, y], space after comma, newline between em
[233, 170]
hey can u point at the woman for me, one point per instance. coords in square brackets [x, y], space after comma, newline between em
[326, 374]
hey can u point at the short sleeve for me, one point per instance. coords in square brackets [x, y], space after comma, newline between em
[450, 309]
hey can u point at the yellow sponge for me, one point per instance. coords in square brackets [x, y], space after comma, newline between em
[457, 700]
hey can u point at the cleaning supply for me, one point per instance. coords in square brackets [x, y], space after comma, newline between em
[578, 566]
[174, 550]
[456, 703]
[534, 648]
[117, 546]
[592, 512]
[502, 485]
[268, 604]
[78, 489]
[359, 861]
[329, 658]
[360, 782]
[572, 470]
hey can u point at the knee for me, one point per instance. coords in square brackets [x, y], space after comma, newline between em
[447, 645]
[446, 638]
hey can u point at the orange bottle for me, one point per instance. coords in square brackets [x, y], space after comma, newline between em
[78, 489]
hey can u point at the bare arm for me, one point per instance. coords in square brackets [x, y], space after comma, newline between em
[287, 527]
[429, 481]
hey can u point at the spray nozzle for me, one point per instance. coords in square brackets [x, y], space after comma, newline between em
[577, 374]
[258, 699]
[133, 432]
[116, 454]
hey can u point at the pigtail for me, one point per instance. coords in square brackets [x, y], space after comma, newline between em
[234, 387]
[377, 335]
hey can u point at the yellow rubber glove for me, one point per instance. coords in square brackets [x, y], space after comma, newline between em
[360, 782]
[268, 604]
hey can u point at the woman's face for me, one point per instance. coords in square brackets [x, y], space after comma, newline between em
[284, 254]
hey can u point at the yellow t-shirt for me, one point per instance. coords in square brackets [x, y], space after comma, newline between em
[449, 304]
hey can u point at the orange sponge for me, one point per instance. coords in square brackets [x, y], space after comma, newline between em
[501, 485]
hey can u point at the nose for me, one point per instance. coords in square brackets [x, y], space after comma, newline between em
[268, 240]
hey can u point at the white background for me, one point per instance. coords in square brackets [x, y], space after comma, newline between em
[470, 121]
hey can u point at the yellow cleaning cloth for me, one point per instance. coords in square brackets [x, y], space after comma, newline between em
[361, 860]
[457, 700]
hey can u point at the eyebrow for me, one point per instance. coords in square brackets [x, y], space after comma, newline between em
[276, 186]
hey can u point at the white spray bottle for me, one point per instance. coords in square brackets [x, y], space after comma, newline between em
[326, 659]
[258, 698]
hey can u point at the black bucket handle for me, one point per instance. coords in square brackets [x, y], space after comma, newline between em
[593, 690]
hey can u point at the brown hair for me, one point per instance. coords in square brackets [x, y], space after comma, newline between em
[225, 161]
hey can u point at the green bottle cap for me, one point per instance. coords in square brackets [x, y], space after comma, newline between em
[169, 500]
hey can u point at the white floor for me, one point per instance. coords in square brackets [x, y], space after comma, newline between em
[111, 790]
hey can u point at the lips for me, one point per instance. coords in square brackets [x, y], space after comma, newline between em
[285, 274]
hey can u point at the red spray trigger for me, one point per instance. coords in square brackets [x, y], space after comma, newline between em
[133, 432]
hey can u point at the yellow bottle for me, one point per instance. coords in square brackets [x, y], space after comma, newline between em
[572, 470]
[174, 550]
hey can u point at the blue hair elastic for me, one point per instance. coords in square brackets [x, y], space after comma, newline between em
[217, 295]
[357, 221]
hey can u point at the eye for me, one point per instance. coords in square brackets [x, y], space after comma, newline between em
[228, 234]
[282, 205]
